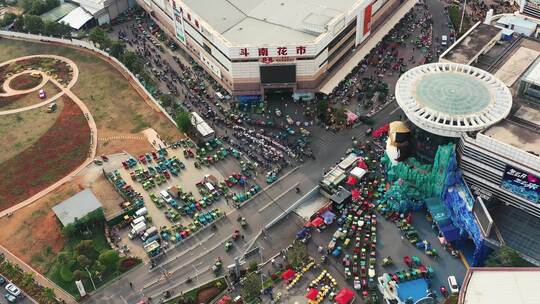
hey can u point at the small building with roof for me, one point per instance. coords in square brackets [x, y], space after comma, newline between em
[76, 207]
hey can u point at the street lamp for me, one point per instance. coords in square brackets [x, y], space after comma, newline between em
[89, 274]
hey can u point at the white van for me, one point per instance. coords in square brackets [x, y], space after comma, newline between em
[452, 283]
[444, 40]
[141, 212]
[220, 96]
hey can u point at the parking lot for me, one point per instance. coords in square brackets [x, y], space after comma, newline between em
[163, 214]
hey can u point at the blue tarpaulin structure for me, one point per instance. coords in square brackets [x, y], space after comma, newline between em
[328, 217]
[450, 232]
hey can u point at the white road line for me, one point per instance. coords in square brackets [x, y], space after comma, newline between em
[273, 200]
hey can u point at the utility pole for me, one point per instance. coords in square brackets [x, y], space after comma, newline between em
[462, 16]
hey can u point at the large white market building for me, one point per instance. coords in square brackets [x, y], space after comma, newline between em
[252, 46]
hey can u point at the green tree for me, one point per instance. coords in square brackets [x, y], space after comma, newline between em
[7, 19]
[340, 116]
[505, 257]
[33, 24]
[77, 275]
[26, 4]
[297, 255]
[48, 294]
[253, 266]
[167, 100]
[83, 260]
[251, 288]
[99, 37]
[322, 106]
[109, 259]
[63, 257]
[183, 120]
[132, 62]
[117, 49]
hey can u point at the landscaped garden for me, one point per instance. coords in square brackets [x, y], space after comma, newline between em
[87, 256]
[56, 153]
[203, 294]
[23, 100]
[25, 81]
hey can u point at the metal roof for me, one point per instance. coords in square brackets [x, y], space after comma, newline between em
[59, 12]
[77, 18]
[76, 206]
[448, 98]
[201, 125]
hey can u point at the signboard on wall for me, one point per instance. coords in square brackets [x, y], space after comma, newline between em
[363, 24]
[521, 183]
[179, 25]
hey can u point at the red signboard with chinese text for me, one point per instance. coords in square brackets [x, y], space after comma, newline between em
[367, 18]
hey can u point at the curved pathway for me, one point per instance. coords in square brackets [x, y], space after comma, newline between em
[63, 90]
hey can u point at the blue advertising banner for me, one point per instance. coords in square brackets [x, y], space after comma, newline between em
[521, 183]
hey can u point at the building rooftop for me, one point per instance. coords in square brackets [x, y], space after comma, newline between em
[76, 207]
[516, 135]
[517, 21]
[533, 73]
[448, 99]
[466, 49]
[528, 114]
[269, 21]
[59, 12]
[501, 285]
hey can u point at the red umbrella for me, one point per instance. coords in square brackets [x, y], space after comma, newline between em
[351, 180]
[355, 193]
[225, 300]
[362, 164]
[312, 294]
[317, 222]
[344, 296]
[288, 274]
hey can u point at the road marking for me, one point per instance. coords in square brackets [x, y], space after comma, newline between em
[273, 200]
[394, 110]
[121, 297]
[188, 250]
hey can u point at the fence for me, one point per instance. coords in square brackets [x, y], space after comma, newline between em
[85, 45]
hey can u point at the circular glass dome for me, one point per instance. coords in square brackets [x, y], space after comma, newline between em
[452, 93]
[448, 99]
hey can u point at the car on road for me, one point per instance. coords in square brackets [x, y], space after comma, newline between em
[2, 280]
[444, 40]
[10, 298]
[452, 283]
[356, 283]
[42, 94]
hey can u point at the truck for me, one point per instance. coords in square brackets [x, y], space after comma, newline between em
[149, 240]
[137, 230]
[141, 212]
[149, 233]
[140, 219]
[153, 249]
[173, 191]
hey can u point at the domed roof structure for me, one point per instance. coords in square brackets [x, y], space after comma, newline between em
[448, 99]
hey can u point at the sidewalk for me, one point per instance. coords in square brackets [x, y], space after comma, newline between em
[43, 281]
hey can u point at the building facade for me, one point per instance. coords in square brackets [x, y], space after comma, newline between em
[496, 170]
[243, 57]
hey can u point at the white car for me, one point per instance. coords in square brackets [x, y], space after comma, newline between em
[12, 289]
[452, 283]
[356, 283]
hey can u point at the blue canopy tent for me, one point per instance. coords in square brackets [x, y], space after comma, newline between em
[328, 217]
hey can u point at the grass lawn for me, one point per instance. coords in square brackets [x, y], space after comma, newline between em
[19, 131]
[115, 105]
[25, 82]
[455, 18]
[51, 157]
[19, 101]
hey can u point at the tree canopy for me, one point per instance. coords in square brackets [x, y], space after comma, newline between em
[505, 257]
[183, 120]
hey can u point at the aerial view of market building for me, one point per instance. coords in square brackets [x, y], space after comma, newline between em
[269, 151]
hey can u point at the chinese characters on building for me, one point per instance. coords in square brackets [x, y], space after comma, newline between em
[282, 53]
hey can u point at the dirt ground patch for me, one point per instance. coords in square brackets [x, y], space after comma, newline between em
[33, 233]
[116, 107]
[208, 294]
[19, 131]
[23, 100]
[59, 151]
[25, 82]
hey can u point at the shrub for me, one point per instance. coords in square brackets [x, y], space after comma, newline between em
[128, 263]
